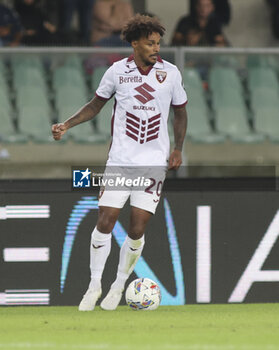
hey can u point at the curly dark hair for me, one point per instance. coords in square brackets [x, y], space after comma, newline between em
[141, 26]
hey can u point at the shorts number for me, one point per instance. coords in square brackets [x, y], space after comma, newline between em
[150, 190]
[159, 188]
[153, 183]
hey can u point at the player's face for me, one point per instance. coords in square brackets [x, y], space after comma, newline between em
[147, 49]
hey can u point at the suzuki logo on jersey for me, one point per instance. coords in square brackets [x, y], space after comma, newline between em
[144, 91]
[142, 130]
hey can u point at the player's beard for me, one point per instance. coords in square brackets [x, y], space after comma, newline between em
[149, 63]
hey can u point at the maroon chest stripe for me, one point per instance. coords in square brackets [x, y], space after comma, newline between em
[133, 116]
[130, 121]
[157, 116]
[129, 127]
[131, 135]
[152, 137]
[150, 126]
[150, 132]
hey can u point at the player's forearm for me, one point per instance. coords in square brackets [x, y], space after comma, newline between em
[179, 127]
[86, 113]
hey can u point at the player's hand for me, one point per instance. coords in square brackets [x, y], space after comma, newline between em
[58, 130]
[175, 160]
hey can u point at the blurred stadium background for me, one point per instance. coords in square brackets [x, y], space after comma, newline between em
[233, 94]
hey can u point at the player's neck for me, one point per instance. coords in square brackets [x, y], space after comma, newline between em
[141, 64]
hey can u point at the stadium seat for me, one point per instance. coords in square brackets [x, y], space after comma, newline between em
[264, 97]
[24, 61]
[225, 61]
[8, 133]
[262, 61]
[227, 97]
[3, 82]
[74, 62]
[198, 122]
[222, 78]
[199, 128]
[233, 122]
[32, 96]
[266, 121]
[66, 76]
[5, 103]
[273, 63]
[231, 115]
[70, 96]
[30, 77]
[259, 78]
[2, 68]
[192, 80]
[256, 61]
[35, 122]
[196, 97]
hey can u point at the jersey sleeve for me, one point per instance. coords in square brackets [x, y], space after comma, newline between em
[179, 96]
[106, 88]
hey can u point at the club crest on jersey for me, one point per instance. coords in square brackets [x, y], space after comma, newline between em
[161, 76]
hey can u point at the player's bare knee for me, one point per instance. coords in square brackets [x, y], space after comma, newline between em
[105, 224]
[136, 231]
[106, 220]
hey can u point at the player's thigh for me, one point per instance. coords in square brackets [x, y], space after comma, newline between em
[110, 204]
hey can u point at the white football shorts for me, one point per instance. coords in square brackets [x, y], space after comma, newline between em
[142, 185]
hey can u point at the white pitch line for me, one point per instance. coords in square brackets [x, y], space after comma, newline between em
[54, 346]
[125, 346]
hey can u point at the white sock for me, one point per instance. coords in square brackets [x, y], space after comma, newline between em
[99, 251]
[129, 254]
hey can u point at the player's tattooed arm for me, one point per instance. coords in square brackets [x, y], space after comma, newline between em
[87, 112]
[179, 127]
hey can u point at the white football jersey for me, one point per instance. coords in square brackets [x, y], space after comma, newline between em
[141, 109]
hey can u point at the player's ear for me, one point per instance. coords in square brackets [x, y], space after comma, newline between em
[134, 43]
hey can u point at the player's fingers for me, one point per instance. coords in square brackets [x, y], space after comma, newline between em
[56, 136]
[62, 127]
[54, 127]
[58, 130]
[58, 127]
[174, 163]
[171, 163]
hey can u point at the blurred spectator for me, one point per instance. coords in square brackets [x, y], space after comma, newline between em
[53, 10]
[10, 27]
[222, 10]
[84, 9]
[274, 5]
[201, 29]
[108, 18]
[37, 28]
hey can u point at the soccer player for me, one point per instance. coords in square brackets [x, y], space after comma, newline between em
[144, 87]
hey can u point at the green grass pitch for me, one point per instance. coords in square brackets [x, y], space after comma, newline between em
[189, 327]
